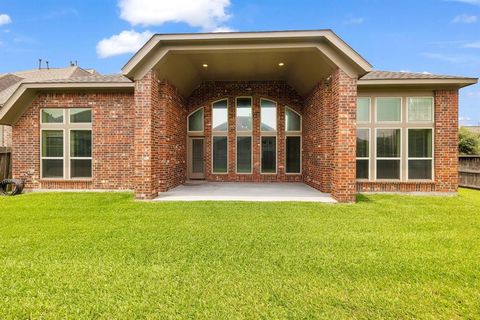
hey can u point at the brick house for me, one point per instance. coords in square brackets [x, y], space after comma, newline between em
[293, 106]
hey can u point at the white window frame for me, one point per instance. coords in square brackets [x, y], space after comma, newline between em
[251, 154]
[369, 154]
[420, 121]
[236, 117]
[66, 126]
[389, 158]
[70, 157]
[369, 109]
[293, 134]
[203, 120]
[416, 158]
[276, 154]
[53, 158]
[301, 121]
[388, 122]
[220, 134]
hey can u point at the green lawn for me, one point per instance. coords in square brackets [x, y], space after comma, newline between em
[106, 256]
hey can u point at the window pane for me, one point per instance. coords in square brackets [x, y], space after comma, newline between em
[389, 109]
[420, 143]
[363, 109]
[52, 115]
[52, 143]
[292, 157]
[388, 169]
[244, 114]
[197, 155]
[195, 121]
[420, 169]
[220, 116]
[362, 169]
[81, 143]
[388, 143]
[52, 168]
[81, 115]
[292, 120]
[268, 115]
[362, 143]
[81, 168]
[269, 154]
[420, 109]
[244, 154]
[219, 156]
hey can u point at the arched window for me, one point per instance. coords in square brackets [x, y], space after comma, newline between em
[268, 128]
[293, 142]
[195, 121]
[220, 137]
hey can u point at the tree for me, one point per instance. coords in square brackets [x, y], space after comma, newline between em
[469, 142]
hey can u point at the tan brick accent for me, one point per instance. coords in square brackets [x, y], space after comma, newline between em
[112, 140]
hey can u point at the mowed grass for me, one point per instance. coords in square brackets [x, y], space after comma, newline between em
[86, 255]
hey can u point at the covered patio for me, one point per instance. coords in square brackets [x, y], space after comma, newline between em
[232, 191]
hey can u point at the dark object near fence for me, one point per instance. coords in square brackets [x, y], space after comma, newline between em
[5, 163]
[469, 171]
[11, 187]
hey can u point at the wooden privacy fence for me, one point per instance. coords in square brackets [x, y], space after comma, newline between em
[5, 163]
[469, 171]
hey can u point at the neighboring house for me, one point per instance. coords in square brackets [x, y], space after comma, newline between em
[309, 109]
[10, 82]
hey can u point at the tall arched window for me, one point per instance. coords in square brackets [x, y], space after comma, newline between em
[220, 137]
[195, 121]
[293, 142]
[268, 129]
[244, 135]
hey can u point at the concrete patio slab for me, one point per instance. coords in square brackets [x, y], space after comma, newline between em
[242, 191]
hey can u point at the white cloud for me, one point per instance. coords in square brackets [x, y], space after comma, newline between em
[475, 45]
[5, 19]
[208, 15]
[359, 20]
[127, 41]
[465, 18]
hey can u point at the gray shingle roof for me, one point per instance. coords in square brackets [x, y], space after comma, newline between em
[393, 75]
[11, 81]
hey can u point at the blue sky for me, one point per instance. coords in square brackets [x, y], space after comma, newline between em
[436, 36]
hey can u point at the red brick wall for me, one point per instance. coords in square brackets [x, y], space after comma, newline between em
[277, 91]
[160, 137]
[446, 140]
[112, 140]
[317, 138]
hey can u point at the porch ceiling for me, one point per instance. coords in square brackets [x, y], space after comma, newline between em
[308, 57]
[302, 68]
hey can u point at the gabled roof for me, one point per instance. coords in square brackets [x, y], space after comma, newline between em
[17, 88]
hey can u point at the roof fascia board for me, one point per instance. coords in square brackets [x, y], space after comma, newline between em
[28, 88]
[461, 82]
[329, 35]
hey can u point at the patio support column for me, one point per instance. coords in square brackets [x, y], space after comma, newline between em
[146, 93]
[446, 140]
[160, 137]
[343, 116]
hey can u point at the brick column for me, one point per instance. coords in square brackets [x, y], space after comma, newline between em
[446, 140]
[146, 94]
[343, 115]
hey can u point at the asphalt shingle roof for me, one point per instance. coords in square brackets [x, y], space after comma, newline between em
[394, 75]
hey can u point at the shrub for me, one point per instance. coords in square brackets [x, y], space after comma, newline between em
[469, 142]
